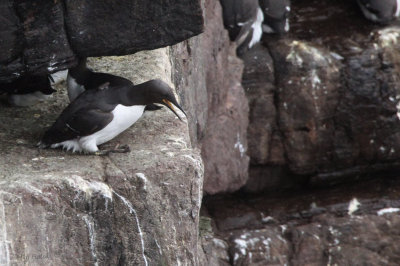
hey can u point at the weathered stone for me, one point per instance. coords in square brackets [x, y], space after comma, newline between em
[133, 25]
[259, 247]
[216, 251]
[367, 240]
[336, 118]
[140, 208]
[313, 228]
[367, 123]
[259, 84]
[11, 39]
[217, 104]
[308, 95]
[42, 37]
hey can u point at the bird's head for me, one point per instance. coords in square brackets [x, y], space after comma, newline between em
[157, 91]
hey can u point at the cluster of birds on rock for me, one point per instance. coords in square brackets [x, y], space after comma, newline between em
[101, 106]
[246, 20]
[104, 105]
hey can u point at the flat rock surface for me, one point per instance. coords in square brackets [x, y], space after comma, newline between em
[138, 208]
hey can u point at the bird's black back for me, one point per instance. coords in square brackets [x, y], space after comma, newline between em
[90, 112]
[236, 13]
[28, 84]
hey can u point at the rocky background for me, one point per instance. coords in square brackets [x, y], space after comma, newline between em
[295, 146]
[323, 141]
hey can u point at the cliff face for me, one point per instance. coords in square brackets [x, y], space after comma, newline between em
[323, 106]
[323, 142]
[296, 112]
[208, 73]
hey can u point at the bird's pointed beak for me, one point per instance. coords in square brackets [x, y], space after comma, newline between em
[170, 105]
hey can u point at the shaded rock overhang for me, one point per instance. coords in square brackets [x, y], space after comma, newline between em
[44, 36]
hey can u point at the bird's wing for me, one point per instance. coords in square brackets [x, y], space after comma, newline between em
[81, 123]
[87, 121]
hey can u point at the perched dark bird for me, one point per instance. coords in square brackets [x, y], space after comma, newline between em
[81, 78]
[381, 11]
[98, 115]
[243, 20]
[276, 15]
[28, 89]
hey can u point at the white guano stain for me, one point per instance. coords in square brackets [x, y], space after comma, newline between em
[398, 110]
[353, 206]
[219, 243]
[4, 243]
[245, 243]
[143, 178]
[294, 56]
[387, 210]
[92, 237]
[239, 146]
[133, 211]
[159, 247]
[388, 37]
[315, 86]
[90, 187]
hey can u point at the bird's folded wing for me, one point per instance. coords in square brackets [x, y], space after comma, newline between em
[83, 122]
[88, 121]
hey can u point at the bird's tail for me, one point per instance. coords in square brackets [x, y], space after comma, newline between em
[42, 145]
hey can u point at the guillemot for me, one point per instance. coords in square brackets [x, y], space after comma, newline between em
[380, 11]
[276, 15]
[243, 20]
[98, 115]
[28, 89]
[81, 78]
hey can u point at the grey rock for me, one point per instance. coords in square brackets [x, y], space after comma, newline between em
[346, 225]
[326, 119]
[259, 247]
[216, 103]
[308, 95]
[259, 84]
[216, 251]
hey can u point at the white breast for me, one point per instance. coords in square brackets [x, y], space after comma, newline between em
[124, 117]
[27, 99]
[257, 28]
[74, 89]
[59, 76]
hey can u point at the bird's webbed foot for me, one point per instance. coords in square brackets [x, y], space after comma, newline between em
[117, 149]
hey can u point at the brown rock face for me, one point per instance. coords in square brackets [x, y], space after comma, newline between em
[259, 86]
[217, 104]
[322, 114]
[332, 226]
[307, 97]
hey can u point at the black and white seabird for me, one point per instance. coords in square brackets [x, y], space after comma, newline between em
[243, 20]
[276, 15]
[28, 89]
[380, 11]
[81, 78]
[99, 115]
